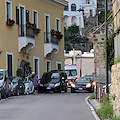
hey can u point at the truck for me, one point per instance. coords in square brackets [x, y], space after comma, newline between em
[72, 72]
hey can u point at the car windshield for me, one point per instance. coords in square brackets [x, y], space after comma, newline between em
[55, 75]
[90, 77]
[71, 72]
[1, 75]
[15, 80]
[82, 79]
[46, 77]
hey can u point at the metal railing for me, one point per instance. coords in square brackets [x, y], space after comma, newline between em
[50, 38]
[26, 31]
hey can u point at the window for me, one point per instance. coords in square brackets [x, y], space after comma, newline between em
[73, 7]
[66, 8]
[58, 65]
[8, 10]
[9, 62]
[35, 18]
[87, 1]
[58, 24]
[48, 65]
[36, 65]
[47, 28]
[91, 13]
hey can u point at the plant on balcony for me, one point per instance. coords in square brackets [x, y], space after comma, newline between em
[58, 33]
[33, 26]
[60, 36]
[37, 30]
[28, 24]
[10, 22]
[53, 32]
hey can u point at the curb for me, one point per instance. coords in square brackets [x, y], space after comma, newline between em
[92, 109]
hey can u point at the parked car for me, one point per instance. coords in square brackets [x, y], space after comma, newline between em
[18, 87]
[82, 83]
[5, 84]
[29, 87]
[54, 80]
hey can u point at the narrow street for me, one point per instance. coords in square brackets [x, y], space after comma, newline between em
[50, 106]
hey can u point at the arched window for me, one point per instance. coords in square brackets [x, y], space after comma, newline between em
[66, 8]
[73, 7]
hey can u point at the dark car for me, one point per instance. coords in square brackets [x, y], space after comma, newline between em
[18, 87]
[54, 80]
[82, 83]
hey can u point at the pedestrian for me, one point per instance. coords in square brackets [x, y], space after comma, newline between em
[35, 83]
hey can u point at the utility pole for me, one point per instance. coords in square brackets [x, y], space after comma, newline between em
[106, 47]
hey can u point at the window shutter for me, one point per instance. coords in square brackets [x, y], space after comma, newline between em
[27, 16]
[17, 15]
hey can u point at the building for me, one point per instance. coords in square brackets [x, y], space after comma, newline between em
[115, 73]
[84, 62]
[31, 35]
[75, 11]
[116, 22]
[89, 7]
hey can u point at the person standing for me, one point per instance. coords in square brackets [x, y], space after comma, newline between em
[35, 82]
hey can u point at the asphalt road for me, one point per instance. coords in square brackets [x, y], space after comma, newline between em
[46, 106]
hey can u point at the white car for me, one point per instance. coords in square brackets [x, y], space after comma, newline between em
[29, 87]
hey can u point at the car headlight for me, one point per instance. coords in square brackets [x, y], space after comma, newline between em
[73, 85]
[57, 84]
[1, 84]
[41, 85]
[88, 85]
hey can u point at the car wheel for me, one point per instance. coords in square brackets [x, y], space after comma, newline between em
[72, 90]
[4, 95]
[0, 95]
[18, 93]
[65, 89]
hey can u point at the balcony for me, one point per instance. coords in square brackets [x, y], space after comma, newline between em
[50, 44]
[26, 38]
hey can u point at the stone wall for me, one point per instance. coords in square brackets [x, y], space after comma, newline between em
[115, 88]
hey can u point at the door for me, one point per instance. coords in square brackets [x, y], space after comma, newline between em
[9, 65]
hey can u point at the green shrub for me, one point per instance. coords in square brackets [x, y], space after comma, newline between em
[117, 59]
[92, 97]
[115, 118]
[19, 72]
[106, 110]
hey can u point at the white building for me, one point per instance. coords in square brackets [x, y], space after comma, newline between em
[89, 7]
[84, 62]
[73, 13]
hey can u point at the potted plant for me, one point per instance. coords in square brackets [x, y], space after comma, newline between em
[33, 26]
[37, 30]
[57, 33]
[60, 36]
[10, 22]
[52, 32]
[28, 24]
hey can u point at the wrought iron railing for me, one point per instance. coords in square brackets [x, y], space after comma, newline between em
[27, 31]
[50, 38]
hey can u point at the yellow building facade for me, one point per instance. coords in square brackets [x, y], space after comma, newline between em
[31, 35]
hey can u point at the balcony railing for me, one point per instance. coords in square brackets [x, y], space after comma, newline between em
[25, 31]
[50, 38]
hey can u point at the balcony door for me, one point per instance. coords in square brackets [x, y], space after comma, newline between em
[47, 28]
[22, 20]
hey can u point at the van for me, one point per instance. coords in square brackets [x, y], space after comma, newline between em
[71, 70]
[54, 80]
